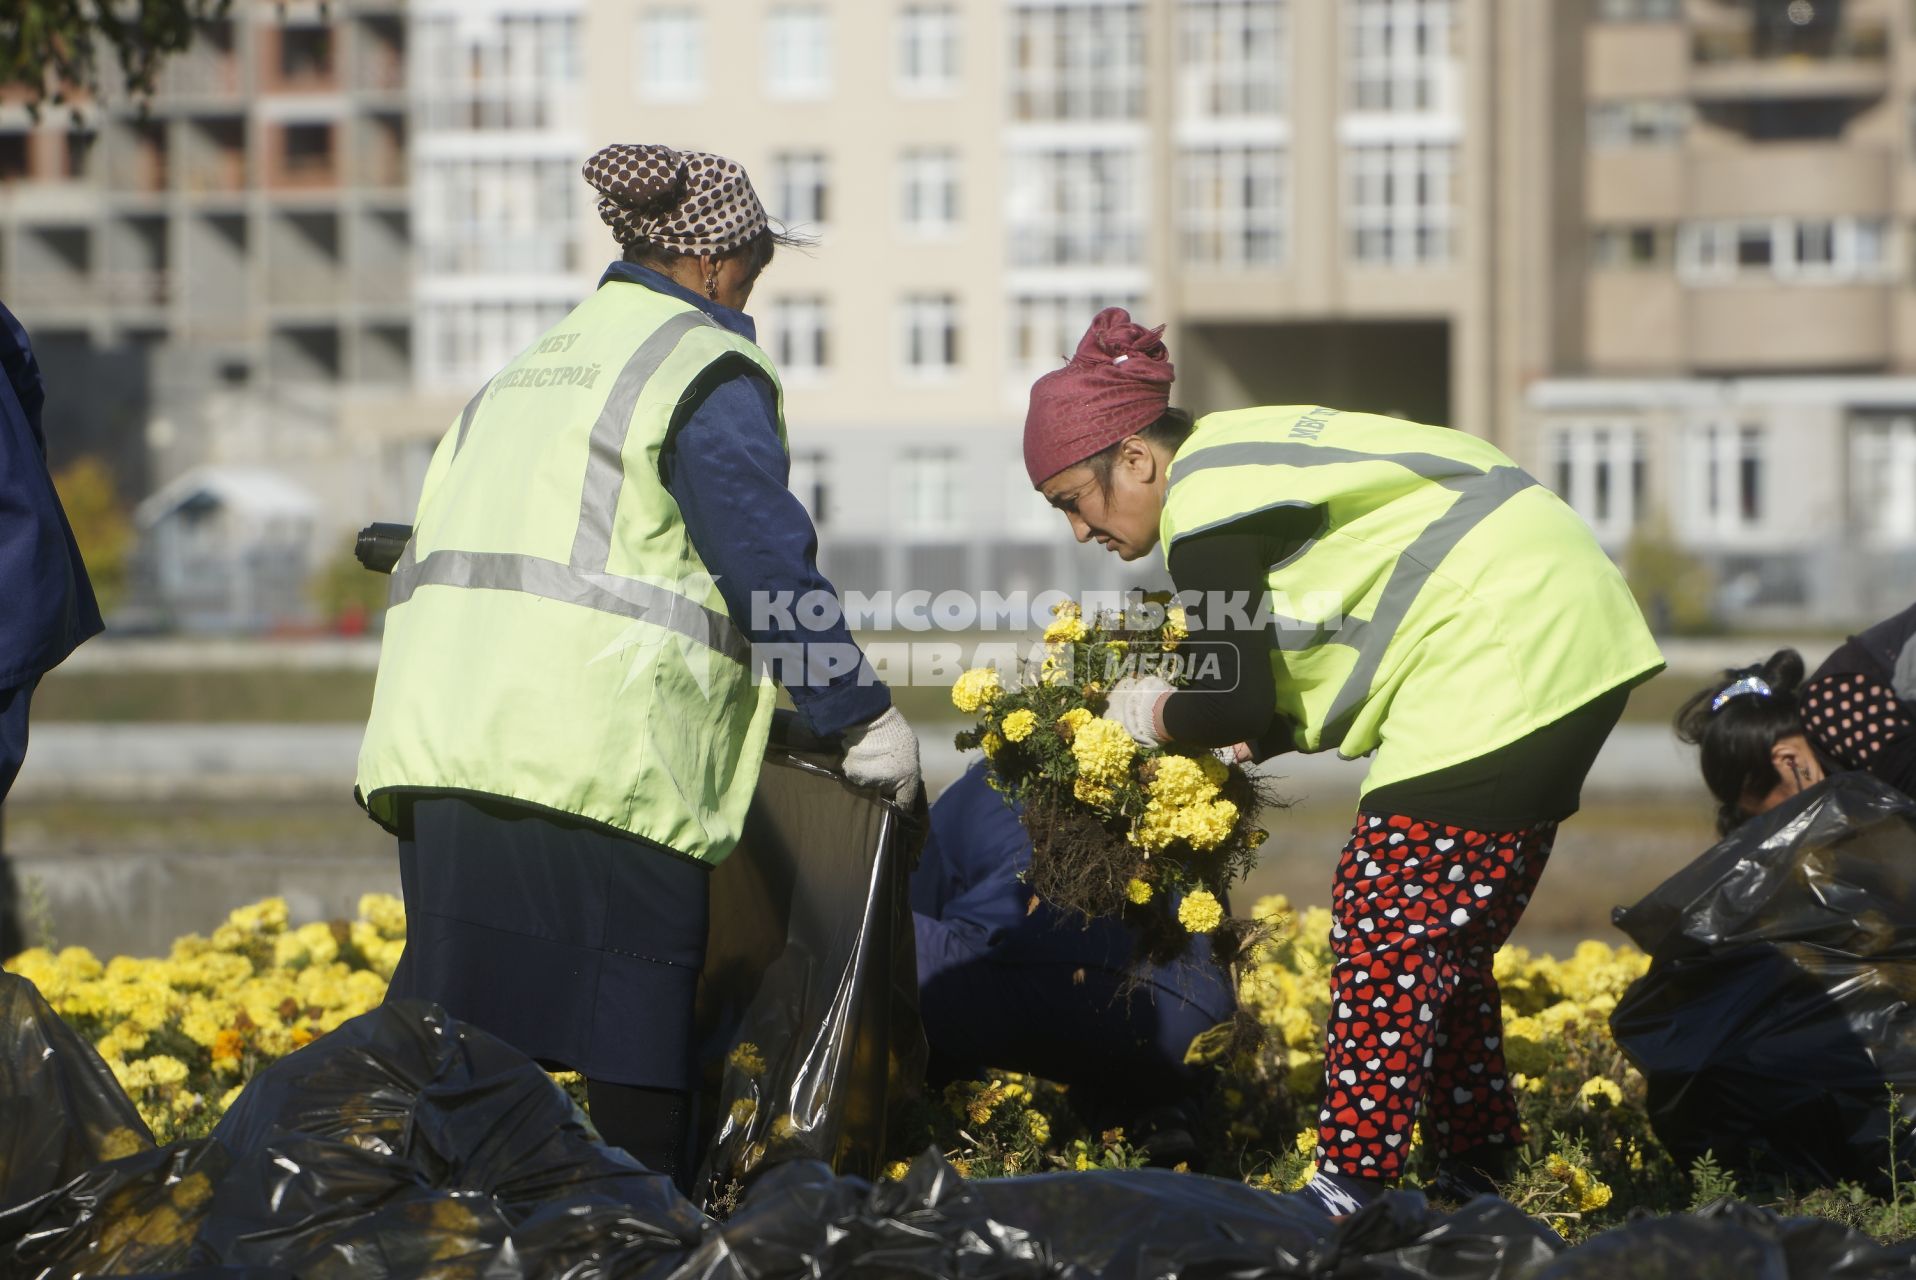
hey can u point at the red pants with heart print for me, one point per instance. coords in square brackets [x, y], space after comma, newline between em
[1420, 909]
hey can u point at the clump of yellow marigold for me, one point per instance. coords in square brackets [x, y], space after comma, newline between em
[1103, 750]
[1071, 721]
[1180, 781]
[1200, 912]
[1092, 793]
[1600, 1087]
[976, 689]
[1589, 1193]
[1066, 629]
[747, 1058]
[1019, 724]
[991, 744]
[1137, 891]
[1176, 626]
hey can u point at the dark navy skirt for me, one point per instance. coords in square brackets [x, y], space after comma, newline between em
[576, 945]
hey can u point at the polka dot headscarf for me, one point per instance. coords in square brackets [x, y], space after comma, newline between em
[684, 201]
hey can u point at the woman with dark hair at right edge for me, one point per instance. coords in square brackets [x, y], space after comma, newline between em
[1765, 734]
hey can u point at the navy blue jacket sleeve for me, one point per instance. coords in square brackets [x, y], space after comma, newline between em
[46, 602]
[729, 474]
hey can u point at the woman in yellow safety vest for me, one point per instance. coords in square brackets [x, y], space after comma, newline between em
[575, 688]
[1378, 588]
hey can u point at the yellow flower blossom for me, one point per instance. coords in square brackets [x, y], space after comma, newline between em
[1178, 781]
[896, 1171]
[976, 689]
[991, 744]
[1091, 793]
[1200, 912]
[1073, 720]
[1176, 626]
[1066, 630]
[1600, 1087]
[1137, 891]
[1103, 750]
[1019, 724]
[747, 1058]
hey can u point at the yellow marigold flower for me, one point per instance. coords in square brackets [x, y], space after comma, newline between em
[1176, 626]
[1206, 825]
[1038, 1127]
[1066, 630]
[121, 1142]
[977, 689]
[1073, 720]
[747, 1058]
[743, 1110]
[1103, 750]
[1600, 1087]
[1092, 794]
[1179, 781]
[265, 916]
[384, 912]
[784, 1129]
[991, 744]
[1019, 724]
[228, 1045]
[1200, 911]
[1066, 609]
[1591, 1193]
[896, 1171]
[1138, 891]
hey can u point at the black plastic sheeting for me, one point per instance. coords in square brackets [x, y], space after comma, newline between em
[810, 975]
[1778, 1016]
[406, 1145]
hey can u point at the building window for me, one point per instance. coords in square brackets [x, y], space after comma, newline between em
[1602, 471]
[928, 330]
[1231, 206]
[1637, 247]
[798, 52]
[1045, 329]
[1402, 203]
[1230, 58]
[516, 72]
[801, 188]
[807, 484]
[670, 55]
[928, 48]
[801, 337]
[499, 217]
[1640, 122]
[1883, 479]
[1027, 514]
[1077, 61]
[305, 54]
[1402, 58]
[1727, 478]
[1791, 250]
[1076, 208]
[928, 182]
[929, 491]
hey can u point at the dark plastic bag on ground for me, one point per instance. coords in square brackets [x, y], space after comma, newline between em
[1733, 1241]
[1779, 1012]
[808, 1004]
[61, 1111]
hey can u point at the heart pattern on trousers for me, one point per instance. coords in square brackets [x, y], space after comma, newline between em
[1420, 909]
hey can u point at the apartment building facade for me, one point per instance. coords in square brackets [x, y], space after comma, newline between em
[1737, 350]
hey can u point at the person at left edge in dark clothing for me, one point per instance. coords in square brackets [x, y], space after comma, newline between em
[573, 698]
[46, 600]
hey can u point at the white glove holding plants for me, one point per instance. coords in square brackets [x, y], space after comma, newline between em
[883, 753]
[1133, 703]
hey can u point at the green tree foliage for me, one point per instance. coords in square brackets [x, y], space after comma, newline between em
[100, 525]
[57, 51]
[349, 595]
[1675, 590]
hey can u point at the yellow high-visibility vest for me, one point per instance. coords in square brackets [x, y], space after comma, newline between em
[1446, 605]
[554, 638]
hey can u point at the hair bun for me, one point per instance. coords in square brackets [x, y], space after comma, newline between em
[1783, 671]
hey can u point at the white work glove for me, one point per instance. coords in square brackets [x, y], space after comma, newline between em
[1133, 703]
[883, 753]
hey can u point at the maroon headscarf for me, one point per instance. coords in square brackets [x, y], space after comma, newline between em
[1117, 384]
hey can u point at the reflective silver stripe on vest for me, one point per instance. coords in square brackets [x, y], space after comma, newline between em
[584, 581]
[1479, 494]
[605, 464]
[465, 418]
[550, 580]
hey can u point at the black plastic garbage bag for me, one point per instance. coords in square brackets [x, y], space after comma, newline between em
[408, 1142]
[808, 1002]
[136, 1215]
[61, 1110]
[1779, 1012]
[1142, 1225]
[1732, 1241]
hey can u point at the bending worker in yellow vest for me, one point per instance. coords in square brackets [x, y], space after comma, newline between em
[1378, 588]
[576, 680]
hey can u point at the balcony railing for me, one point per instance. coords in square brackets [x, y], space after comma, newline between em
[1856, 43]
